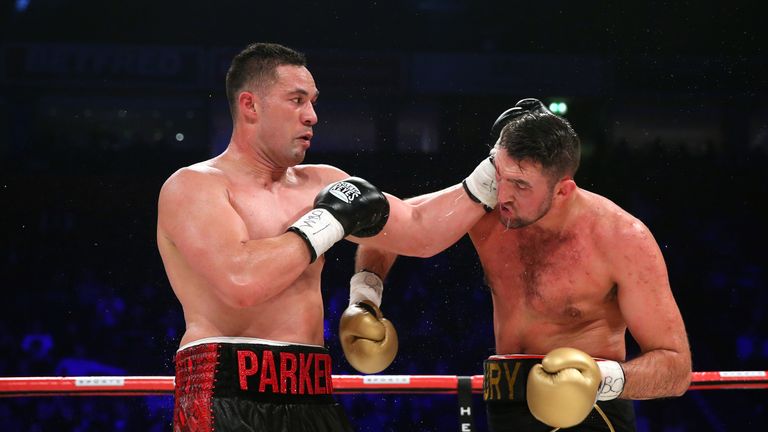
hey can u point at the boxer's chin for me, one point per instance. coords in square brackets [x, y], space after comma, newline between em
[511, 220]
[298, 156]
[513, 223]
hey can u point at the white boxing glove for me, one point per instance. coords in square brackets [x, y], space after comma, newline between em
[481, 183]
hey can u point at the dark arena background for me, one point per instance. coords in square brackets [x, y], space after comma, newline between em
[101, 101]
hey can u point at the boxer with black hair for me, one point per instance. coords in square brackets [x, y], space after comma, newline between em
[242, 238]
[569, 272]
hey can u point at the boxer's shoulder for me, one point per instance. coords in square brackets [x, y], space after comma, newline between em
[198, 177]
[315, 174]
[600, 216]
[610, 227]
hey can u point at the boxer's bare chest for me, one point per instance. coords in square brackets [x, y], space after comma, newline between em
[539, 275]
[269, 212]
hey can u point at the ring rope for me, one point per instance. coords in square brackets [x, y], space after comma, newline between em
[342, 384]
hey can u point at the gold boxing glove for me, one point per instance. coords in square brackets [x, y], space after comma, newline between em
[561, 391]
[368, 339]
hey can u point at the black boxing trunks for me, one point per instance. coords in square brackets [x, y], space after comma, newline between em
[504, 390]
[246, 384]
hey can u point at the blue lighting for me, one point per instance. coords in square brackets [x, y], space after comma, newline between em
[21, 5]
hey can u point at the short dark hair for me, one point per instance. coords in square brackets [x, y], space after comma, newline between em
[544, 138]
[255, 65]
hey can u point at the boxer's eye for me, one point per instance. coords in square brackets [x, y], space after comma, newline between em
[520, 184]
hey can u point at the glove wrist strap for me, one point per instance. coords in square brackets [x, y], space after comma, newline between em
[319, 229]
[365, 285]
[612, 382]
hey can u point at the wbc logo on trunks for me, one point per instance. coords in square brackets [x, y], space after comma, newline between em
[344, 191]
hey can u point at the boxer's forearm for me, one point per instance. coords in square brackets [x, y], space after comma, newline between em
[656, 374]
[443, 218]
[380, 261]
[421, 198]
[257, 270]
[429, 227]
[374, 260]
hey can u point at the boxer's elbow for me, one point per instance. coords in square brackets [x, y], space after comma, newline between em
[242, 291]
[421, 247]
[234, 295]
[679, 385]
[682, 379]
[430, 247]
[428, 236]
[685, 375]
[683, 385]
[429, 251]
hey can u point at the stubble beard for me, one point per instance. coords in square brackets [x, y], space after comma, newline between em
[519, 222]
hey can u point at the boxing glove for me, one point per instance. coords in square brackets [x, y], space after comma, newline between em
[368, 339]
[481, 184]
[532, 105]
[348, 207]
[562, 389]
[523, 106]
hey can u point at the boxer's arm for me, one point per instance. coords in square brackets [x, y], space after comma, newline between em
[422, 198]
[380, 261]
[195, 214]
[647, 305]
[425, 226]
[368, 340]
[374, 260]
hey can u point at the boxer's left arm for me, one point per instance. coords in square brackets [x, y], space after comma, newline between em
[420, 226]
[430, 225]
[368, 339]
[425, 225]
[663, 368]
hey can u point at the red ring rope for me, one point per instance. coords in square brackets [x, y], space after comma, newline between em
[163, 385]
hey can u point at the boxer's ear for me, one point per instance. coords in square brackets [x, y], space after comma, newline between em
[565, 187]
[248, 104]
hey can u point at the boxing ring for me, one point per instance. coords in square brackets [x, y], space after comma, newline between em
[463, 386]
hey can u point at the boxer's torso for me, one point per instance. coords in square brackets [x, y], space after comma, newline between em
[293, 315]
[554, 289]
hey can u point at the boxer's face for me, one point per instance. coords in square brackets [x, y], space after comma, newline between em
[524, 192]
[288, 114]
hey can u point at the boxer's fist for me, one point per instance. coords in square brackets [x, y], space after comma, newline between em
[351, 206]
[368, 339]
[532, 105]
[481, 184]
[561, 391]
[358, 205]
[527, 105]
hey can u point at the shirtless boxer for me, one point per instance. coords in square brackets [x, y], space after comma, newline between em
[242, 238]
[566, 268]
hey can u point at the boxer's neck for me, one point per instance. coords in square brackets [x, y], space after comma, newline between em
[562, 212]
[253, 164]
